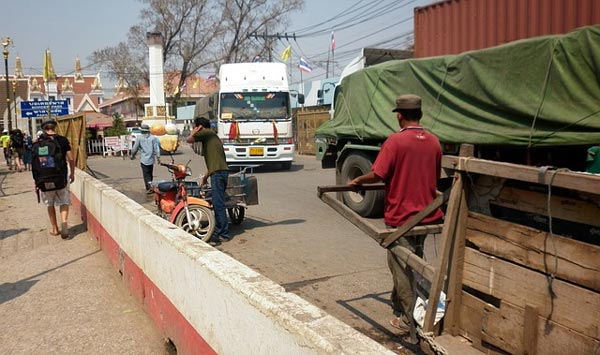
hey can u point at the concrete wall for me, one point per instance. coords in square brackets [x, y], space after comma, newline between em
[200, 298]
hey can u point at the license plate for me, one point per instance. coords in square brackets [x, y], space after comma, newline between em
[257, 151]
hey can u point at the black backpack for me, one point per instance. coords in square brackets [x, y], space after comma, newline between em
[48, 164]
[16, 138]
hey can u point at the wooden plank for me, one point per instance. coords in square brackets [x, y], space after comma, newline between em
[448, 232]
[341, 188]
[530, 330]
[573, 307]
[456, 345]
[503, 327]
[566, 208]
[414, 261]
[578, 262]
[416, 219]
[570, 180]
[455, 275]
[362, 223]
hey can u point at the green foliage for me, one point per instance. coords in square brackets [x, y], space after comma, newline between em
[118, 127]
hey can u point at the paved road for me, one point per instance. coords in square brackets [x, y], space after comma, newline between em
[295, 239]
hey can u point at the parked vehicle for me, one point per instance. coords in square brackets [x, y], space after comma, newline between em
[252, 113]
[531, 102]
[191, 213]
[188, 205]
[134, 132]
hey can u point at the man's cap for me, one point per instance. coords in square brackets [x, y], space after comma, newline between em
[407, 102]
[49, 121]
[145, 128]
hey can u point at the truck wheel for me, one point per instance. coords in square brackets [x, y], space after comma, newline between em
[236, 214]
[286, 165]
[365, 203]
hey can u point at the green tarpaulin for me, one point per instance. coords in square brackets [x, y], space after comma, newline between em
[535, 92]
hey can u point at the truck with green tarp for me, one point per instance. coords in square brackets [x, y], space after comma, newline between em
[534, 102]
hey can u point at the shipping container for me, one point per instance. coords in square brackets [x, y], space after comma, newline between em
[455, 26]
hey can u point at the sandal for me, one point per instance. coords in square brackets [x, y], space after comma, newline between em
[53, 233]
[399, 323]
[64, 231]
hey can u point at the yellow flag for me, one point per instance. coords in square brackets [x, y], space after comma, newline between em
[287, 53]
[48, 73]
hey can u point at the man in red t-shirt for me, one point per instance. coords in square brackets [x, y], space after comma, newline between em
[409, 164]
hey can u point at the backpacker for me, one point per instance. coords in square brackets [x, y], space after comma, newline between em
[48, 164]
[16, 138]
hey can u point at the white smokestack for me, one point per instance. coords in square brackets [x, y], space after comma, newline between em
[155, 55]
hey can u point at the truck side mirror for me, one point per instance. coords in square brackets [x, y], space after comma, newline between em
[301, 99]
[320, 94]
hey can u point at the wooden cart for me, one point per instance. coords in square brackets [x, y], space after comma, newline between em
[520, 262]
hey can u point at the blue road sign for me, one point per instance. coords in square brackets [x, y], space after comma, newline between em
[33, 109]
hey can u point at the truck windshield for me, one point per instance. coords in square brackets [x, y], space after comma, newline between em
[254, 106]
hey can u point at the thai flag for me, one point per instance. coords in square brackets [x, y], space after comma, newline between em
[333, 46]
[304, 66]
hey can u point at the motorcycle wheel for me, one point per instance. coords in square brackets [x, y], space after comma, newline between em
[200, 215]
[236, 214]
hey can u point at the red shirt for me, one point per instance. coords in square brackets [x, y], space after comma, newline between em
[410, 164]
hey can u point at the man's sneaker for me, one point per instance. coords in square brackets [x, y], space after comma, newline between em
[224, 239]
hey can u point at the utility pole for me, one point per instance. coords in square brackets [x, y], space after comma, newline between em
[269, 40]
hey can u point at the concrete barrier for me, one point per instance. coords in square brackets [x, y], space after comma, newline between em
[201, 299]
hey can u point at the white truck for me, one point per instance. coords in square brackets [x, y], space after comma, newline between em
[252, 113]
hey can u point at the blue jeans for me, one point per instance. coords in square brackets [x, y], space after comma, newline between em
[218, 183]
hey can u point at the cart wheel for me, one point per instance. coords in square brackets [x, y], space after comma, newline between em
[236, 214]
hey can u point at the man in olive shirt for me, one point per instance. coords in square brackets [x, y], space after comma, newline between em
[214, 157]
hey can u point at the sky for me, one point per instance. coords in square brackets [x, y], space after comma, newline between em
[75, 28]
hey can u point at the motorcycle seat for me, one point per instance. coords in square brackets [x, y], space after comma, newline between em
[167, 186]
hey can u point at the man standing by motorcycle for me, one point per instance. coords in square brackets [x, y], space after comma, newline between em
[218, 171]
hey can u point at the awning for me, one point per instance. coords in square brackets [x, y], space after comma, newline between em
[99, 122]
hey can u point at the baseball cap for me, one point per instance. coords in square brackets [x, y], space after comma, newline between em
[407, 102]
[49, 121]
[145, 128]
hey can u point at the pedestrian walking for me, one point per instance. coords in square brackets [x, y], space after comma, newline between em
[53, 168]
[218, 172]
[409, 164]
[28, 143]
[6, 148]
[149, 145]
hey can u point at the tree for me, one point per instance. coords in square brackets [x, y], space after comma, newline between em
[118, 127]
[196, 34]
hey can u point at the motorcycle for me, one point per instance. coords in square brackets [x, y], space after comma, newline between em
[193, 214]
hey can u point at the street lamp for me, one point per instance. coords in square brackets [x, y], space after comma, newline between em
[14, 90]
[5, 43]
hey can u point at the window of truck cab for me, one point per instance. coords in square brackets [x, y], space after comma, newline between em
[255, 106]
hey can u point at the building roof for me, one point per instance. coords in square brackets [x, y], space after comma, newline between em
[195, 86]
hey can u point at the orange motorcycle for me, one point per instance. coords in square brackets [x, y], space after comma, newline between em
[174, 203]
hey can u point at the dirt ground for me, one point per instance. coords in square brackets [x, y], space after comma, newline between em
[61, 296]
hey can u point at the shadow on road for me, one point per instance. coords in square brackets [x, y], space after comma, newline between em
[378, 332]
[250, 223]
[10, 232]
[9, 290]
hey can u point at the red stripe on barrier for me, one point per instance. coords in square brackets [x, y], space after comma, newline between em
[169, 321]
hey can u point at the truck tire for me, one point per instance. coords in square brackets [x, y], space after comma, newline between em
[365, 203]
